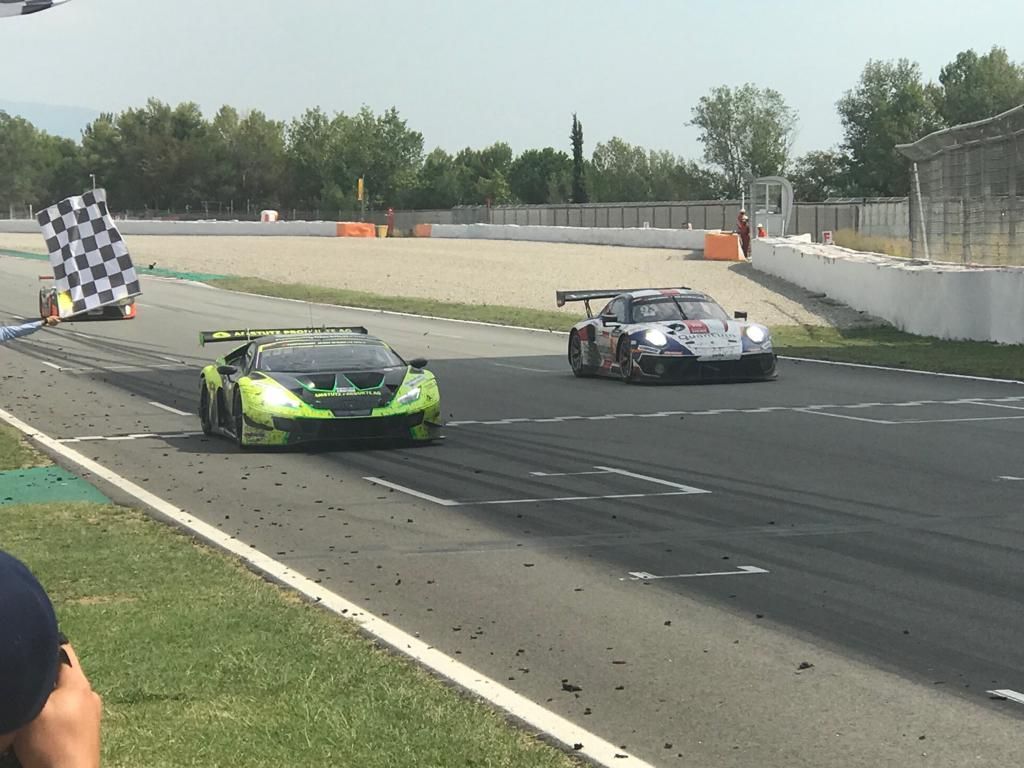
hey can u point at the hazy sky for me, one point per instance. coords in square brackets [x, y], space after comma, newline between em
[470, 73]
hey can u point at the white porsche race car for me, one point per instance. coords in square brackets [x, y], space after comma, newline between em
[666, 334]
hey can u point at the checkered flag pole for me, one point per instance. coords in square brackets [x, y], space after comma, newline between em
[25, 7]
[90, 260]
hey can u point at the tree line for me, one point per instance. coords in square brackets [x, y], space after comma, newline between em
[164, 157]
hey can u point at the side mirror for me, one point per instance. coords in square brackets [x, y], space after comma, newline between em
[740, 315]
[227, 370]
[609, 320]
[419, 362]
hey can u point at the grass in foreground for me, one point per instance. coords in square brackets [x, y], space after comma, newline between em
[883, 345]
[202, 663]
[14, 452]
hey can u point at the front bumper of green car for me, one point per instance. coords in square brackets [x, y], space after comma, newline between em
[276, 424]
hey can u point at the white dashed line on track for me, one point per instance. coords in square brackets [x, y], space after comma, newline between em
[741, 570]
[813, 412]
[524, 368]
[678, 489]
[169, 409]
[813, 409]
[999, 405]
[955, 421]
[136, 436]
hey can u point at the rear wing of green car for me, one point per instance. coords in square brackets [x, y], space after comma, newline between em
[245, 334]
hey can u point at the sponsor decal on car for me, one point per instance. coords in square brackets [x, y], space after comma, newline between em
[696, 326]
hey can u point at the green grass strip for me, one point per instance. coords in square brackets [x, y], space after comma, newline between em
[200, 662]
[141, 270]
[487, 313]
[24, 254]
[889, 347]
[880, 345]
[15, 453]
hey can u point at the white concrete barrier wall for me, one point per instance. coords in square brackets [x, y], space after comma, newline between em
[148, 227]
[949, 301]
[683, 239]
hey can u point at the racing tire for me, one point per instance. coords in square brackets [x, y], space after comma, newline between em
[205, 412]
[238, 421]
[576, 357]
[624, 356]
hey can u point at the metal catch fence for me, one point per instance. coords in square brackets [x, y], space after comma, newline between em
[966, 190]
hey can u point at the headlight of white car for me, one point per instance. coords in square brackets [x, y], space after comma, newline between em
[276, 397]
[757, 333]
[410, 397]
[656, 337]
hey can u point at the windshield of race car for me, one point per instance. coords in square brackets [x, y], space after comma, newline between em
[669, 308]
[312, 358]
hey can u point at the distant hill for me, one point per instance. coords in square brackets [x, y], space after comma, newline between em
[54, 119]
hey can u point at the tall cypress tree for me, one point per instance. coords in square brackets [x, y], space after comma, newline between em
[579, 188]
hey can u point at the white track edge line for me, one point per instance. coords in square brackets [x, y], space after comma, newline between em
[901, 370]
[1009, 694]
[567, 733]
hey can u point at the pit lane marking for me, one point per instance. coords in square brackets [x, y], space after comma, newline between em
[655, 480]
[846, 416]
[999, 405]
[1008, 693]
[679, 490]
[135, 436]
[575, 498]
[741, 570]
[169, 409]
[99, 368]
[814, 410]
[524, 368]
[952, 421]
[412, 492]
[568, 474]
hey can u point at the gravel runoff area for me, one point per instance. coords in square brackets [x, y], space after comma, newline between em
[522, 274]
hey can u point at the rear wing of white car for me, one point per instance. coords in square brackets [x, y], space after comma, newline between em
[562, 297]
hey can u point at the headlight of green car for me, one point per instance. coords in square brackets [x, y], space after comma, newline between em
[276, 396]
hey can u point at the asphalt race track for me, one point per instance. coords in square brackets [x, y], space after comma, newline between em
[675, 553]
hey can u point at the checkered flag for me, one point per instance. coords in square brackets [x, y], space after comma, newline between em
[90, 260]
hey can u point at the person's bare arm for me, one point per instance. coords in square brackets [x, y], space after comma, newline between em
[66, 734]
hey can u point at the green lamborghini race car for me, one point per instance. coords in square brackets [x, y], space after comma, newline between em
[298, 385]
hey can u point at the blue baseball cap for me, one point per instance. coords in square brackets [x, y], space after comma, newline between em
[29, 643]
